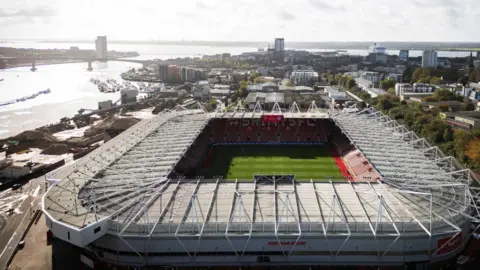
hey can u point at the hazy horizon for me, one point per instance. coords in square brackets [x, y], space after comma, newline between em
[241, 20]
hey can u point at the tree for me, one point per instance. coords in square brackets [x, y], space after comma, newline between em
[463, 80]
[443, 108]
[434, 131]
[288, 83]
[391, 91]
[473, 150]
[435, 80]
[467, 106]
[350, 83]
[384, 104]
[258, 80]
[387, 83]
[448, 135]
[460, 140]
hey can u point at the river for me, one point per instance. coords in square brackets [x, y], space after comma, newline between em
[70, 86]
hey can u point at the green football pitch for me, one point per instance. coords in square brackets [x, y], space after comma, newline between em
[242, 162]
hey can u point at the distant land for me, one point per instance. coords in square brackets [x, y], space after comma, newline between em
[352, 45]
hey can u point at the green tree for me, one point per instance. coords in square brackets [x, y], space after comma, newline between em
[460, 140]
[387, 83]
[258, 80]
[448, 135]
[435, 80]
[467, 106]
[434, 131]
[443, 108]
[351, 83]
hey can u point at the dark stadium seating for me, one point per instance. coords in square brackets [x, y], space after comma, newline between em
[232, 131]
[218, 130]
[288, 133]
[250, 130]
[268, 132]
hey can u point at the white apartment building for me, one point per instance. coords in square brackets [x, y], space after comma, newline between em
[406, 88]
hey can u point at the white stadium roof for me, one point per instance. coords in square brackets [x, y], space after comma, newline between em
[124, 183]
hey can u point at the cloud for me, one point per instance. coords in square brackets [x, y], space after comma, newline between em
[286, 16]
[202, 5]
[36, 12]
[325, 6]
[435, 3]
[185, 14]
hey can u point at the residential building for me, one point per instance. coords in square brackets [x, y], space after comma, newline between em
[403, 56]
[423, 88]
[464, 120]
[401, 88]
[101, 47]
[240, 75]
[304, 77]
[201, 90]
[395, 77]
[371, 76]
[406, 88]
[453, 105]
[474, 95]
[368, 86]
[429, 59]
[128, 95]
[476, 63]
[173, 74]
[377, 58]
[163, 72]
[279, 53]
[322, 61]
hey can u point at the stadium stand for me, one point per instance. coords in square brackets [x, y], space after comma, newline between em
[219, 130]
[248, 131]
[360, 166]
[288, 133]
[232, 131]
[268, 132]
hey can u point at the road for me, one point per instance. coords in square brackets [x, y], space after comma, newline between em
[24, 203]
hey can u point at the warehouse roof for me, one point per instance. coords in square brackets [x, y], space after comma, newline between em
[266, 97]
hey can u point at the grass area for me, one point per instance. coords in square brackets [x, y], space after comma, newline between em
[244, 161]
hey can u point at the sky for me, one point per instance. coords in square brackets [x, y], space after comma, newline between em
[241, 20]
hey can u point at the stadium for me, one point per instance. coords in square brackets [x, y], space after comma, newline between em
[240, 188]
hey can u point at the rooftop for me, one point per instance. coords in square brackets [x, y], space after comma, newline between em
[271, 97]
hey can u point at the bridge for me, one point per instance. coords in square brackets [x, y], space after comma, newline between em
[89, 60]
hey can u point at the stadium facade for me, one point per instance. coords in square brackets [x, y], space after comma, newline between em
[127, 203]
